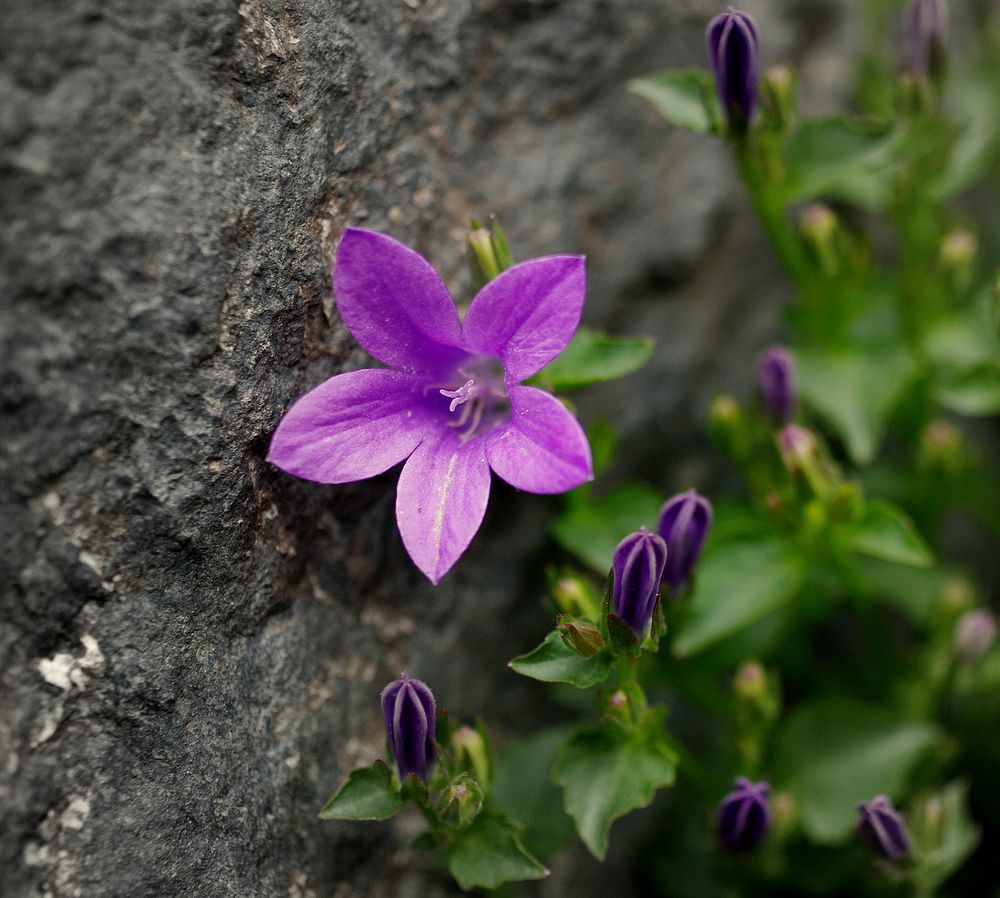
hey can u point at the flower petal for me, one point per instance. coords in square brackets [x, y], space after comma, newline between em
[352, 426]
[528, 313]
[441, 500]
[542, 449]
[395, 304]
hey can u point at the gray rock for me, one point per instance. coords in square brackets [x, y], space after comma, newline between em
[192, 642]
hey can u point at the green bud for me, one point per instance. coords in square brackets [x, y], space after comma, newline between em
[750, 682]
[956, 256]
[460, 803]
[488, 252]
[574, 595]
[940, 448]
[820, 227]
[956, 595]
[727, 425]
[472, 752]
[583, 638]
[777, 91]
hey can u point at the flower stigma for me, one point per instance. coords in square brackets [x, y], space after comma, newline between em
[482, 396]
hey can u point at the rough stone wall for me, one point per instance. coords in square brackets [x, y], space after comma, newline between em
[192, 643]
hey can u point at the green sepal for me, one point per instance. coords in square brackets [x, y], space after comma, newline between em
[489, 852]
[555, 662]
[658, 624]
[368, 794]
[621, 636]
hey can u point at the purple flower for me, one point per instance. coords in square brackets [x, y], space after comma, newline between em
[733, 39]
[776, 382]
[684, 523]
[882, 829]
[451, 401]
[745, 815]
[925, 29]
[638, 565]
[409, 711]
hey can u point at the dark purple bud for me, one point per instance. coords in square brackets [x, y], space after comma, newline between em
[684, 523]
[882, 829]
[925, 30]
[776, 381]
[745, 815]
[409, 711]
[733, 40]
[638, 567]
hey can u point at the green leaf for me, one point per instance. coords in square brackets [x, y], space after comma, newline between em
[975, 393]
[523, 789]
[835, 752]
[592, 528]
[887, 532]
[914, 591]
[841, 158]
[489, 853]
[684, 97]
[855, 392]
[592, 357]
[367, 795]
[555, 662]
[605, 774]
[738, 584]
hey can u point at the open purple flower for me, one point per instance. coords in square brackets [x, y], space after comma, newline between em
[451, 401]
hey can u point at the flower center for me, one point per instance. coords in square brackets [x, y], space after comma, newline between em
[478, 397]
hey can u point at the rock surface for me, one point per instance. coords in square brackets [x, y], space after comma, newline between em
[191, 642]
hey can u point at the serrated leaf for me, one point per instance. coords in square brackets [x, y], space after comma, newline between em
[593, 357]
[489, 853]
[592, 528]
[841, 158]
[555, 662]
[855, 392]
[605, 774]
[739, 583]
[886, 532]
[835, 752]
[684, 97]
[524, 790]
[366, 795]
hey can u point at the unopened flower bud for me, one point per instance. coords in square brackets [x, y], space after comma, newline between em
[473, 753]
[750, 682]
[957, 256]
[744, 815]
[777, 89]
[776, 382]
[638, 569]
[573, 594]
[956, 595]
[882, 829]
[925, 31]
[684, 523]
[940, 447]
[797, 447]
[583, 638]
[733, 38]
[488, 252]
[409, 711]
[819, 227]
[974, 634]
[727, 425]
[460, 803]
